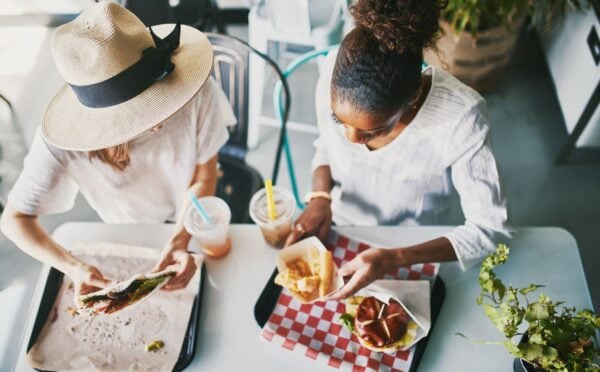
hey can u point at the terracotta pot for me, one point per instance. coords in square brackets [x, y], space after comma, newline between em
[476, 61]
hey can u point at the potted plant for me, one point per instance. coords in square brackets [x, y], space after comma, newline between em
[479, 36]
[557, 338]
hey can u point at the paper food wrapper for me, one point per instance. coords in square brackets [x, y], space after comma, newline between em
[115, 342]
[413, 295]
[301, 250]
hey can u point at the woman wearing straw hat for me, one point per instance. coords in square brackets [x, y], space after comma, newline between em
[138, 123]
[395, 140]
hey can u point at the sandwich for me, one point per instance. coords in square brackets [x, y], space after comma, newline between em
[310, 277]
[123, 294]
[378, 326]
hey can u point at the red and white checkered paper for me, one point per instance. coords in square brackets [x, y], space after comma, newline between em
[316, 331]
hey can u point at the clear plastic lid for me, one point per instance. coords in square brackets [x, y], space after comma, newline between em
[216, 208]
[285, 207]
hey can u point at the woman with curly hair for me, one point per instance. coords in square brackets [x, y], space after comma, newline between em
[394, 140]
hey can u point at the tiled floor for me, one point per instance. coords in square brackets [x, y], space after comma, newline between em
[527, 133]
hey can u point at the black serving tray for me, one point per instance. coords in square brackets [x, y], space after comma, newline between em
[268, 298]
[188, 349]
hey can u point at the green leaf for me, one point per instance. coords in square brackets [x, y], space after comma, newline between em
[499, 288]
[536, 338]
[493, 314]
[544, 354]
[348, 321]
[559, 336]
[530, 288]
[512, 295]
[147, 286]
[512, 348]
[94, 299]
[536, 311]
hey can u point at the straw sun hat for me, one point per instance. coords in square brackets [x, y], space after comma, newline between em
[122, 77]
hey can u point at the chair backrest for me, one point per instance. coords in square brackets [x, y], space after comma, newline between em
[238, 181]
[300, 17]
[196, 13]
[291, 17]
[151, 12]
[230, 70]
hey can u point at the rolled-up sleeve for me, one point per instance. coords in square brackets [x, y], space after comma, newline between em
[44, 186]
[476, 178]
[323, 110]
[320, 158]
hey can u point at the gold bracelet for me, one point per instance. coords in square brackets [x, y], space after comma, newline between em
[317, 194]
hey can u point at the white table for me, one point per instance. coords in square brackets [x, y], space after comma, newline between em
[229, 336]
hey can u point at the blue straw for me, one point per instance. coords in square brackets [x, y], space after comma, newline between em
[200, 209]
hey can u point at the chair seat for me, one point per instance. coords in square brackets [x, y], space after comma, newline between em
[237, 183]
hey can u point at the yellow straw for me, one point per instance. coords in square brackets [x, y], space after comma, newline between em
[270, 200]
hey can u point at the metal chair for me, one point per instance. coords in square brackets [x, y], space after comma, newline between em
[279, 104]
[238, 181]
[201, 14]
[308, 23]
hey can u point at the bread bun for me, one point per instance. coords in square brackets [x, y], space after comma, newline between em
[380, 326]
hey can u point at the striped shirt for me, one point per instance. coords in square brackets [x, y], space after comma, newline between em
[409, 181]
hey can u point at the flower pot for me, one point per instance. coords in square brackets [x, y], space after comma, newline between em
[519, 365]
[476, 61]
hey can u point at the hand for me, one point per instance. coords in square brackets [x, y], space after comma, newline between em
[87, 279]
[315, 220]
[367, 267]
[179, 260]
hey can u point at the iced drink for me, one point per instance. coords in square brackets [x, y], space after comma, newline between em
[212, 238]
[275, 231]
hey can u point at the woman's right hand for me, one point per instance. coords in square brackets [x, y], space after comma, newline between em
[30, 236]
[87, 279]
[315, 220]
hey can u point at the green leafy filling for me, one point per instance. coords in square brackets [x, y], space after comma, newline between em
[146, 287]
[348, 321]
[134, 292]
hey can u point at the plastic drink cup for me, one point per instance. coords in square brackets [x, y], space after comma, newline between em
[212, 238]
[274, 231]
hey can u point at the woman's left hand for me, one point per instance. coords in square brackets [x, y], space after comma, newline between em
[367, 267]
[179, 260]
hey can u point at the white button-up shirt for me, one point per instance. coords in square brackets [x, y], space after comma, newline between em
[409, 180]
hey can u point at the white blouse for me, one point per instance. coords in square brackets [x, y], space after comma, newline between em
[408, 181]
[150, 189]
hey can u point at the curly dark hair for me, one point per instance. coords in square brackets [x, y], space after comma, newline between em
[400, 25]
[378, 67]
